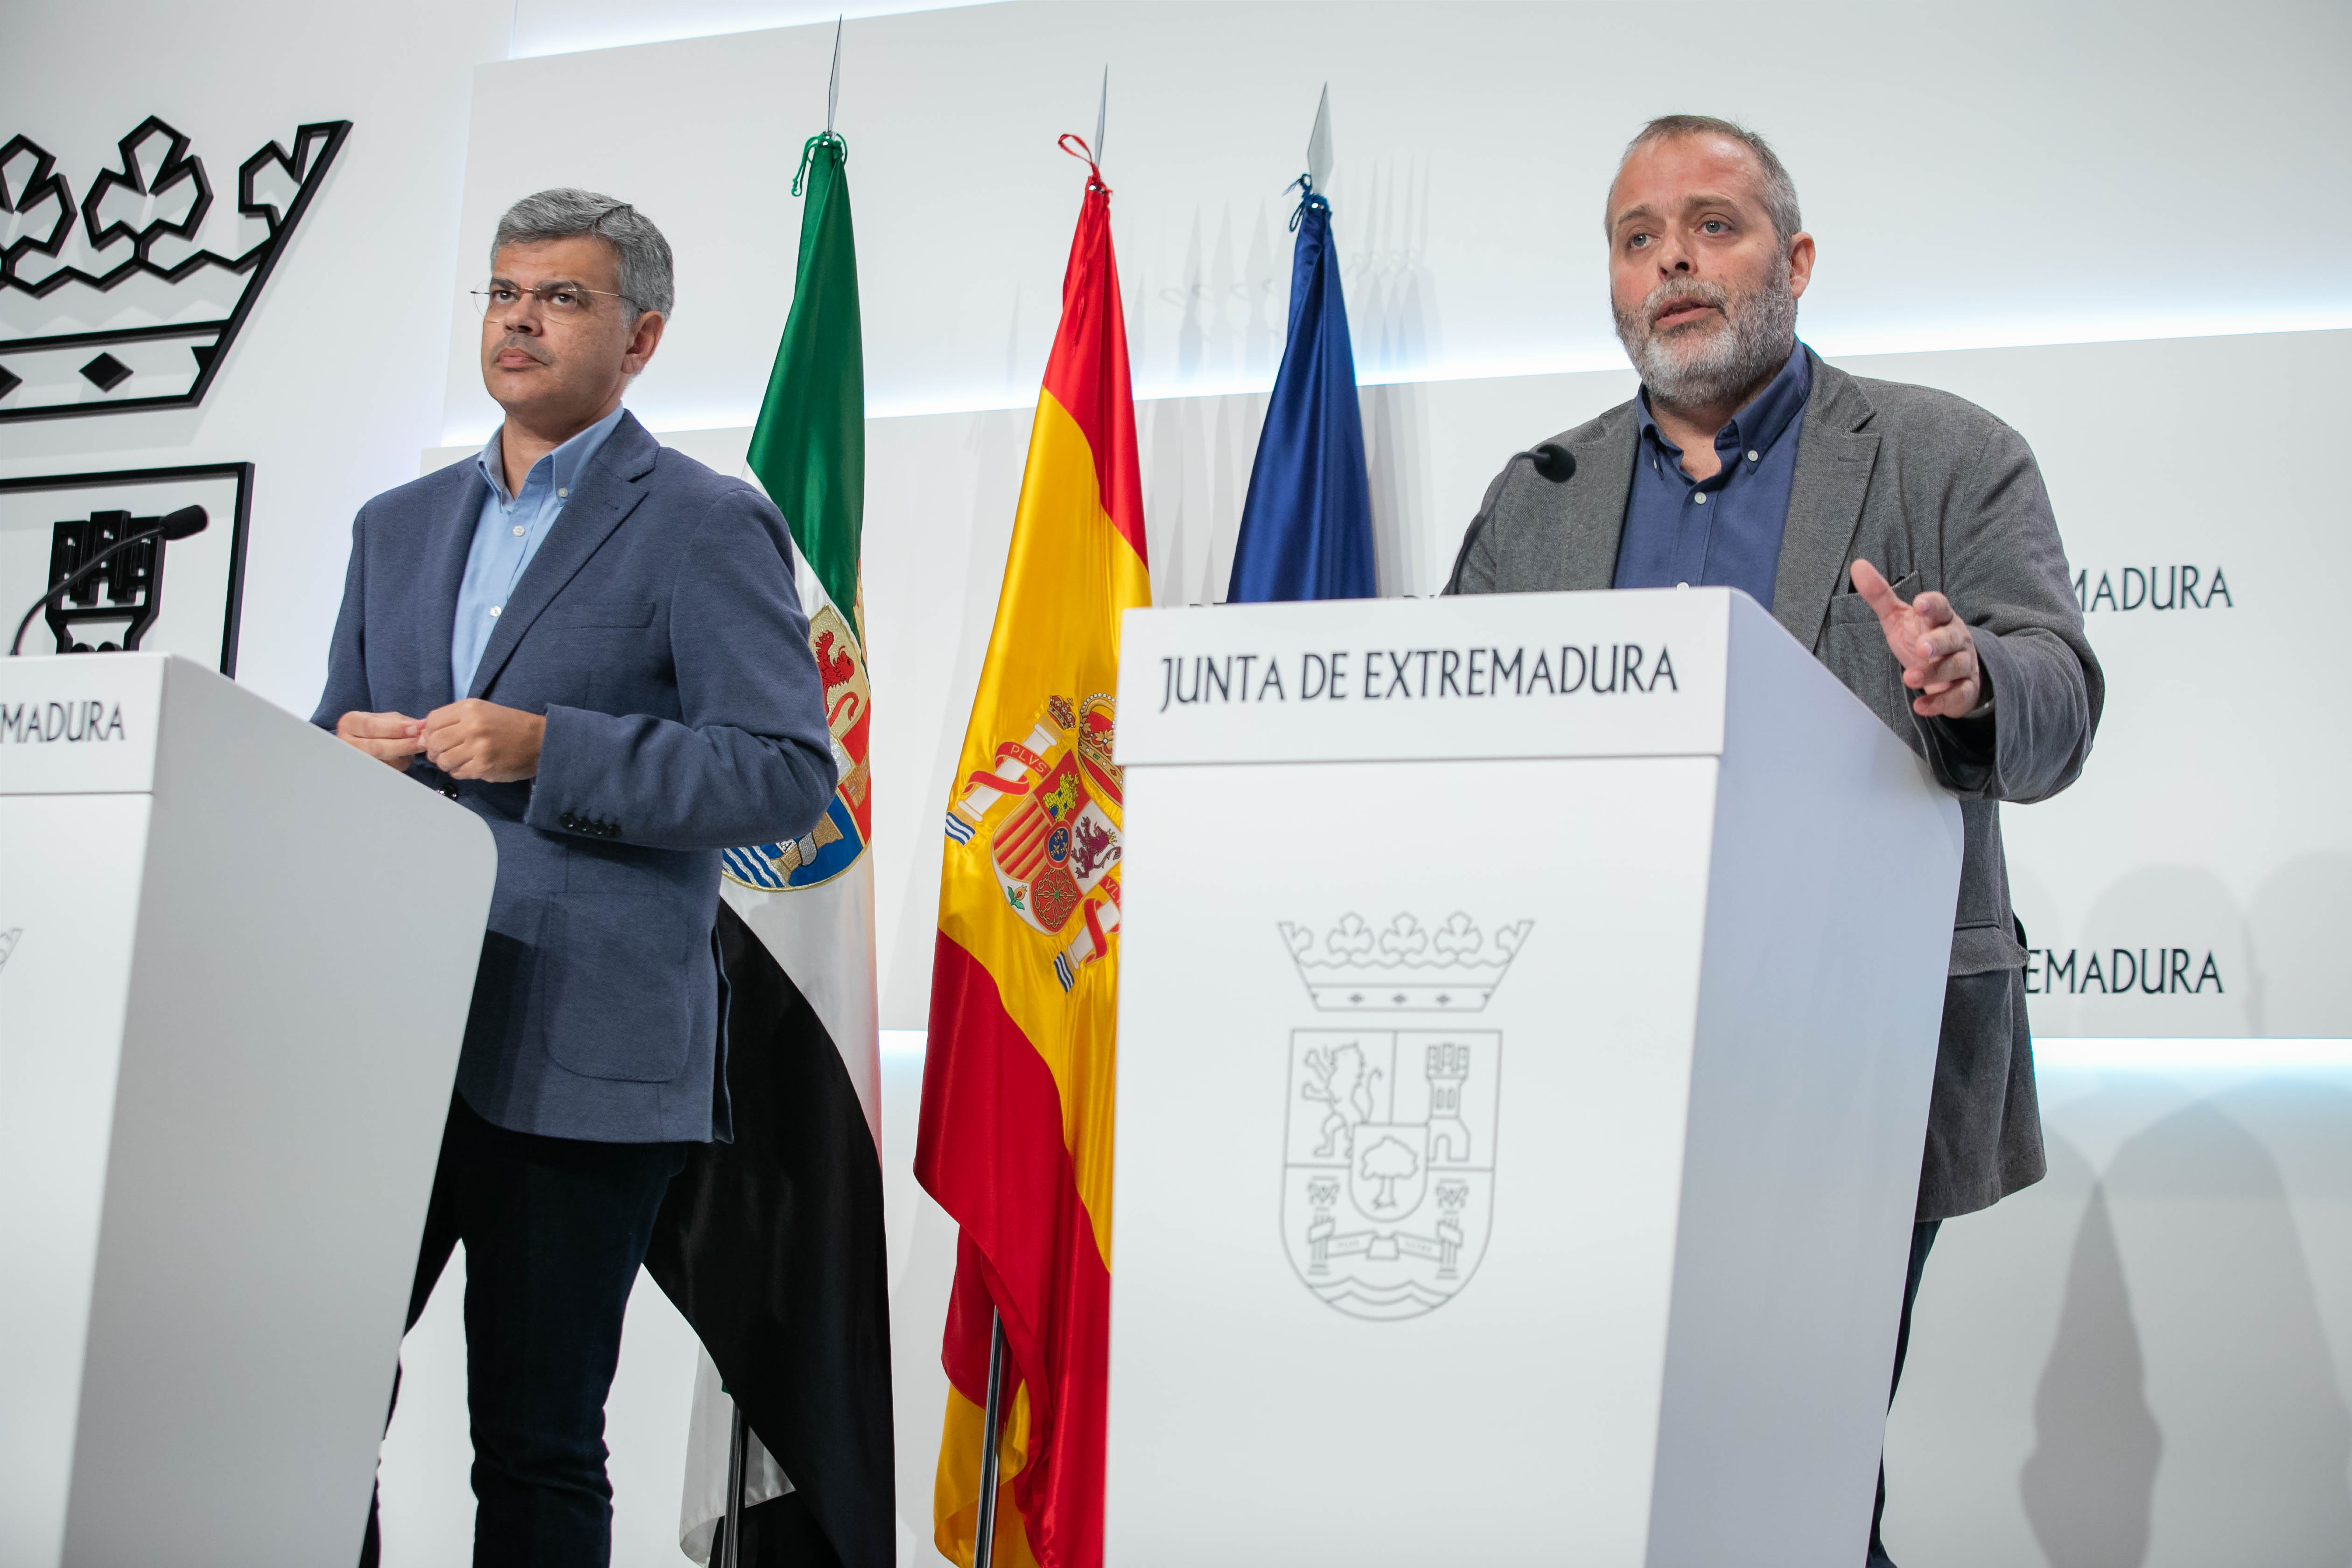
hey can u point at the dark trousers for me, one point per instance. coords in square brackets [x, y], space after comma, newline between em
[554, 1231]
[1923, 1237]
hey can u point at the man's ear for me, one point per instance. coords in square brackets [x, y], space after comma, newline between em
[1801, 261]
[643, 338]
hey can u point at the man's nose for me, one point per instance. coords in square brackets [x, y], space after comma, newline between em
[1673, 259]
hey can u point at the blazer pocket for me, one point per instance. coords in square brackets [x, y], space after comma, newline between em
[1849, 606]
[620, 613]
[615, 997]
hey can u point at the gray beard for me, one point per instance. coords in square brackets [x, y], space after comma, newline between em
[1689, 369]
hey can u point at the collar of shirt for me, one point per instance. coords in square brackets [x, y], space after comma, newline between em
[508, 532]
[1756, 428]
[560, 470]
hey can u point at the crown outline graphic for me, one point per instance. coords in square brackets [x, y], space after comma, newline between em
[1403, 967]
[36, 200]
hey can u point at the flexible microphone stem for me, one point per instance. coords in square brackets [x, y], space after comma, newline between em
[62, 589]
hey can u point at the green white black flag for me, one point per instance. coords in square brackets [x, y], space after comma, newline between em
[773, 1246]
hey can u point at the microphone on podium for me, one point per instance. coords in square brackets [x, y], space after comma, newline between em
[181, 524]
[1553, 461]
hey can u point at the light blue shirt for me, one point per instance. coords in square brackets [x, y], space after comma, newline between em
[507, 533]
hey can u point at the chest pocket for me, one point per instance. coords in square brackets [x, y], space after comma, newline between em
[608, 615]
[1855, 648]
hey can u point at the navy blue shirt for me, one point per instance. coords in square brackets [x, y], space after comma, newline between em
[1724, 530]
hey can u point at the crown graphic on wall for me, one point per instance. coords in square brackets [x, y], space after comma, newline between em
[1403, 967]
[135, 306]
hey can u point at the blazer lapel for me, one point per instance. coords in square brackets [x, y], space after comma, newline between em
[1594, 502]
[611, 491]
[446, 548]
[1834, 458]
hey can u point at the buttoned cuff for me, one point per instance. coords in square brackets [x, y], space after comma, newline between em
[570, 791]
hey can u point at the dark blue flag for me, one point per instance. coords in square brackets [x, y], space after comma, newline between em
[1307, 527]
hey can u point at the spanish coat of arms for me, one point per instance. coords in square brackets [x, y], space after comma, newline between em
[1387, 1185]
[1056, 850]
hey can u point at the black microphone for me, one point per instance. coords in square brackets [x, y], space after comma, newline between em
[1553, 460]
[181, 524]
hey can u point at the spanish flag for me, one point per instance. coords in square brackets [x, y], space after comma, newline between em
[1016, 1124]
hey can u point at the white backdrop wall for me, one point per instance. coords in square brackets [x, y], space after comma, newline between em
[2206, 830]
[2001, 175]
[1994, 173]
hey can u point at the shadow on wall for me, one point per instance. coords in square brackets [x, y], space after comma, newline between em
[1384, 247]
[1196, 454]
[2089, 1485]
[2299, 986]
[2233, 1448]
[1396, 457]
[2161, 953]
[2166, 951]
[1229, 312]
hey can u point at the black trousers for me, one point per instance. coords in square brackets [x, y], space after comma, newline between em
[1923, 1237]
[554, 1231]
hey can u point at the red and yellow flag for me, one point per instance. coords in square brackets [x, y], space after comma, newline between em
[1016, 1128]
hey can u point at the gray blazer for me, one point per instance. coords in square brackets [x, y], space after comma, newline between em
[1937, 494]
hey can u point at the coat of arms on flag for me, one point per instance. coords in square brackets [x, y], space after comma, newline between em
[840, 836]
[1057, 850]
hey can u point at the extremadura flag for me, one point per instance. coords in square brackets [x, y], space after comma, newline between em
[772, 1246]
[1016, 1121]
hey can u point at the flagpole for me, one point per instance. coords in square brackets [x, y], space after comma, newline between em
[983, 1551]
[731, 1527]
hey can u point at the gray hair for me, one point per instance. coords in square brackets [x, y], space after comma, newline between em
[1775, 189]
[568, 213]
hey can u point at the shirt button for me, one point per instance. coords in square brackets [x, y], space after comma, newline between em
[562, 495]
[494, 609]
[1751, 456]
[1682, 584]
[1699, 495]
[517, 530]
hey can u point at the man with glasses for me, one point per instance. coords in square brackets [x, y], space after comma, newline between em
[593, 643]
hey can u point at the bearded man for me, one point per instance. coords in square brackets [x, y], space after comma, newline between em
[1900, 533]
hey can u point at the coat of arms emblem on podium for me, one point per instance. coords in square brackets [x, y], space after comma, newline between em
[1388, 1181]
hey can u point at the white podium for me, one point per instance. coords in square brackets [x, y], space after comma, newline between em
[236, 959]
[1527, 1013]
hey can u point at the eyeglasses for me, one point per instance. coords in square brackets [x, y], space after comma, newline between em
[557, 301]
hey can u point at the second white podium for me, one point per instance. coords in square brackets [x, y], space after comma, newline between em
[236, 960]
[1527, 1012]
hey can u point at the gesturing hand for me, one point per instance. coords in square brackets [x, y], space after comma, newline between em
[479, 740]
[1938, 650]
[387, 737]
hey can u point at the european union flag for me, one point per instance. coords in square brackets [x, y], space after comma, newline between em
[1306, 527]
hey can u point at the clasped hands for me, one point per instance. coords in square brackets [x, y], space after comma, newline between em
[1936, 647]
[467, 740]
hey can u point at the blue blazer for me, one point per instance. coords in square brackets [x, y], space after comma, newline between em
[659, 630]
